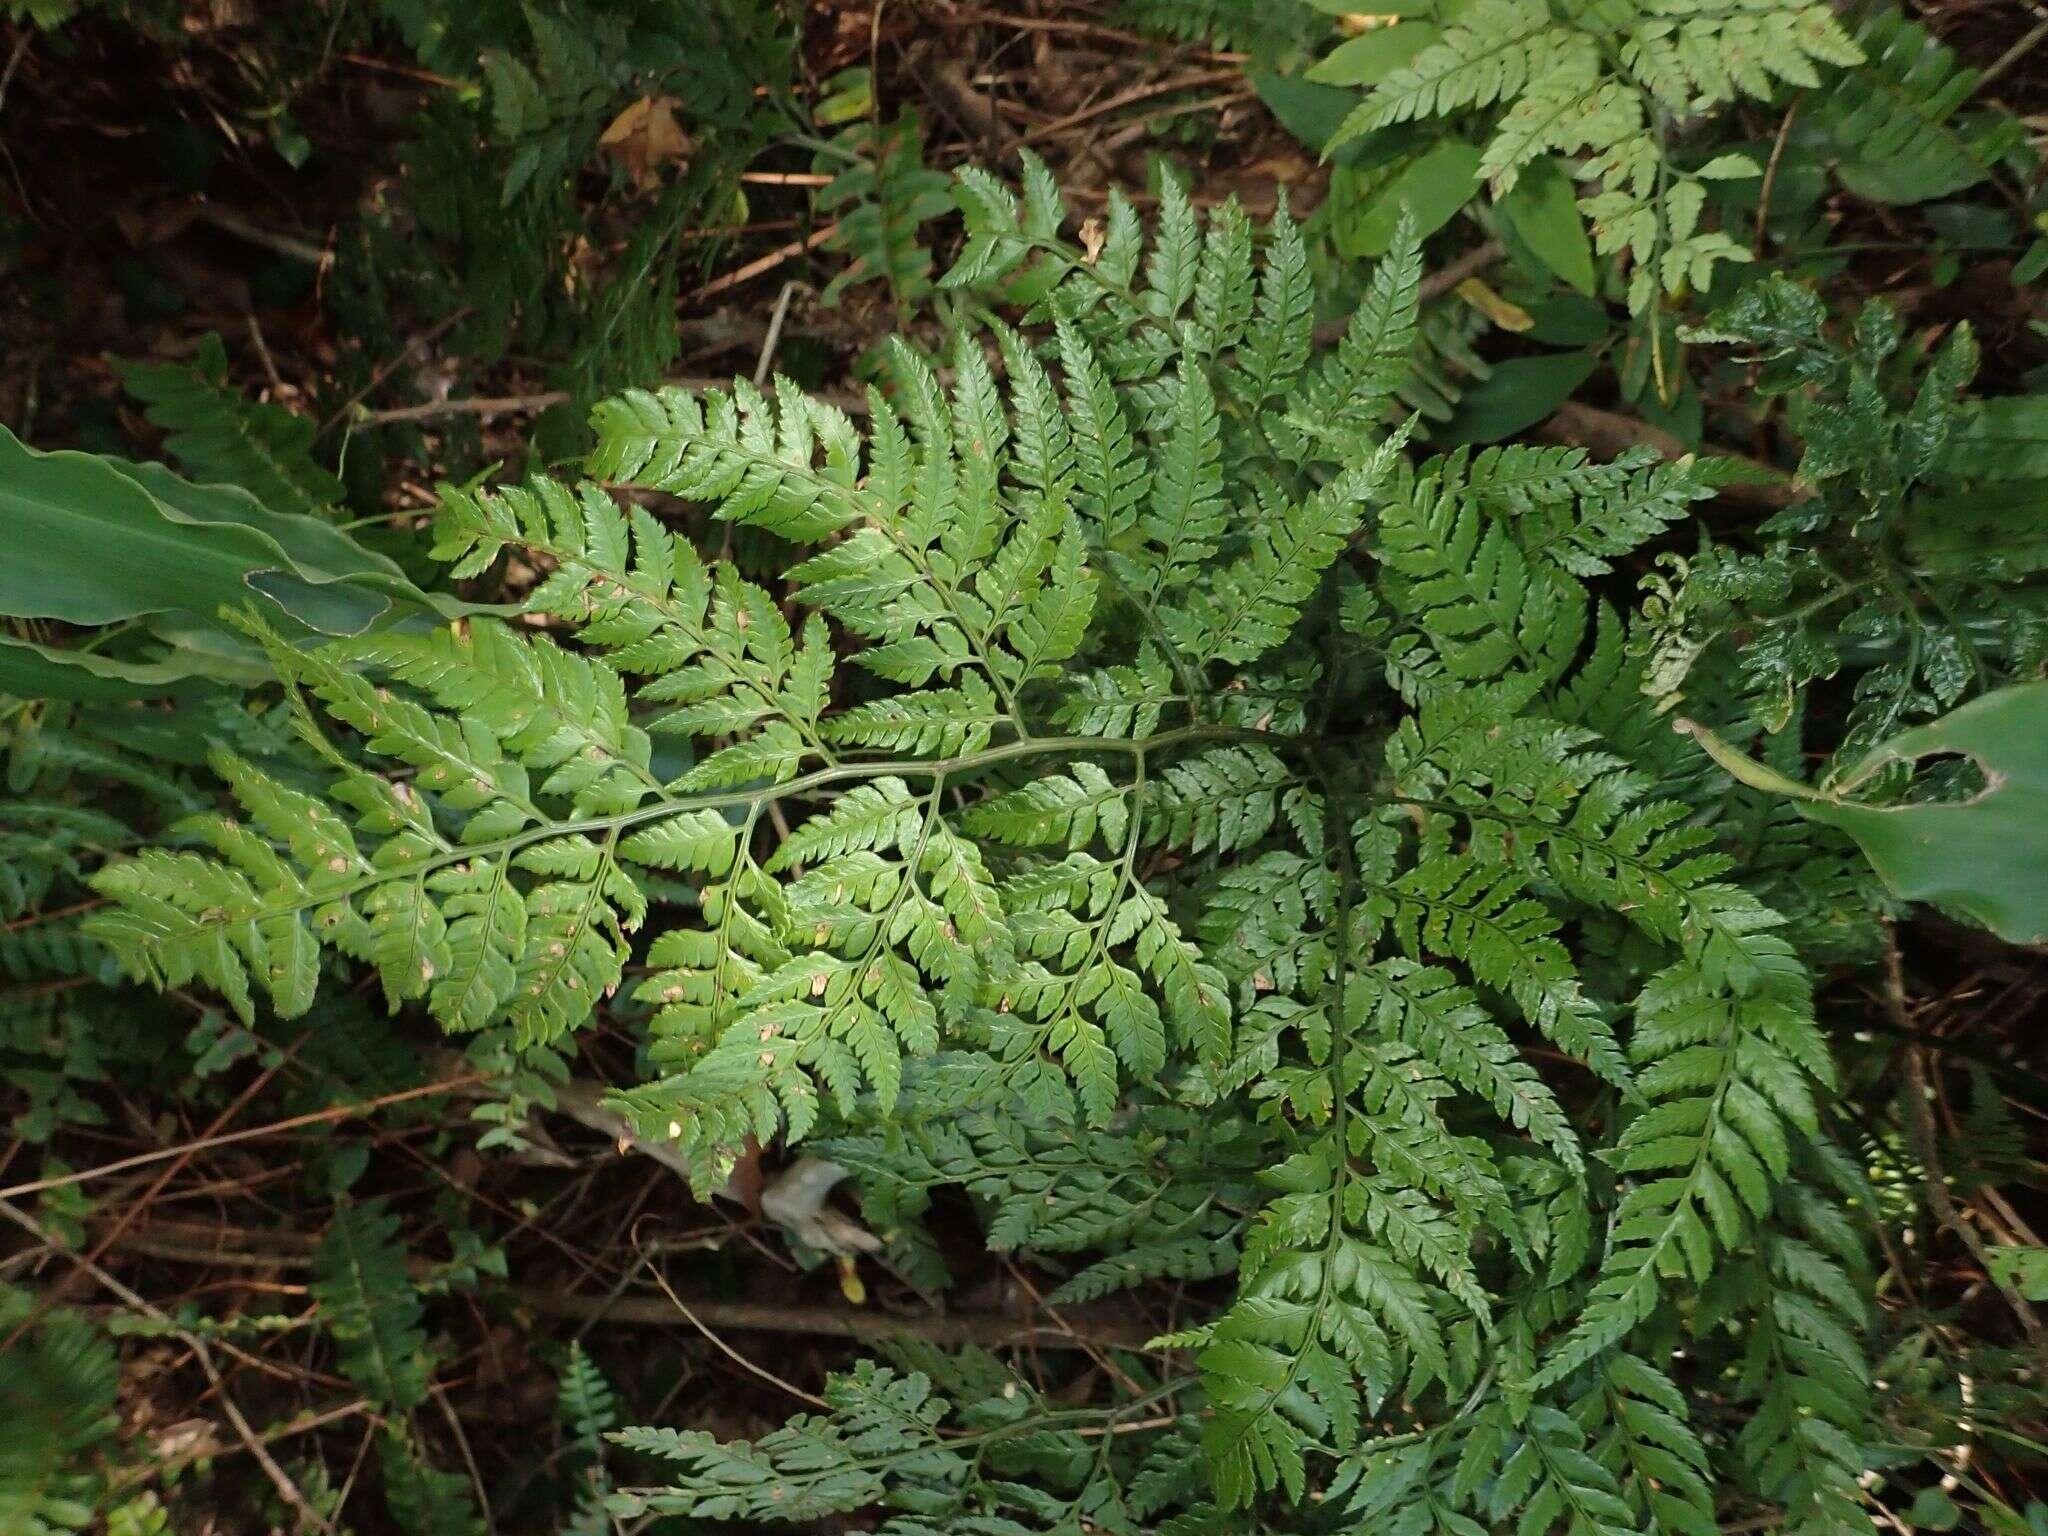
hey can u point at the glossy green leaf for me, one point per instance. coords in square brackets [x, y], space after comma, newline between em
[1544, 211]
[1309, 111]
[95, 540]
[1986, 856]
[1371, 56]
[1431, 189]
[1518, 394]
[32, 671]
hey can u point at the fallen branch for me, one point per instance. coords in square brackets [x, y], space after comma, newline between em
[229, 223]
[1091, 31]
[947, 1328]
[473, 405]
[207, 1143]
[768, 263]
[947, 83]
[1920, 1116]
[1085, 1329]
[251, 1441]
[1123, 99]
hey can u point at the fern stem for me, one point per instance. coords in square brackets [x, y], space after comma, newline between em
[1148, 610]
[745, 858]
[822, 778]
[1104, 1421]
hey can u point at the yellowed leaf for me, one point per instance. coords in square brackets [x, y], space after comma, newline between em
[851, 1286]
[1509, 317]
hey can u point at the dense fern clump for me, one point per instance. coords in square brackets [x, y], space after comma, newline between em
[1909, 566]
[880, 194]
[216, 436]
[56, 1404]
[553, 93]
[1152, 801]
[1607, 85]
[1904, 123]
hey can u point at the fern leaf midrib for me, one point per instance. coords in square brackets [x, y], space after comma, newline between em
[1645, 1477]
[704, 636]
[1583, 1519]
[386, 1367]
[974, 1440]
[878, 943]
[1651, 1253]
[979, 637]
[1366, 116]
[501, 882]
[1701, 913]
[823, 778]
[1482, 598]
[460, 769]
[1535, 135]
[545, 982]
[1335, 1131]
[832, 491]
[1098, 949]
[1534, 1110]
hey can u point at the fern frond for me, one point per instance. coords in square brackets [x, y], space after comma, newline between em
[1802, 1300]
[1728, 1077]
[1646, 1443]
[1898, 121]
[1602, 82]
[879, 200]
[217, 436]
[877, 1422]
[1253, 602]
[371, 1306]
[57, 1388]
[1370, 951]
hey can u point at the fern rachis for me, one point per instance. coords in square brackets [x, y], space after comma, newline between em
[1028, 816]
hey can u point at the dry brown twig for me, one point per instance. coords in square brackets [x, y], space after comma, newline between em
[768, 263]
[1137, 93]
[133, 1209]
[276, 1127]
[1919, 1099]
[252, 1442]
[1085, 1329]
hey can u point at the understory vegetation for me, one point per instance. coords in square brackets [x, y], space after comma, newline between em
[1199, 767]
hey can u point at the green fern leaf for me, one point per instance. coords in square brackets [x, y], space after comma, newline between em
[369, 1305]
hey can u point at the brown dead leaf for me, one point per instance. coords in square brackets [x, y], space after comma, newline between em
[153, 226]
[796, 1202]
[645, 138]
[218, 15]
[744, 1187]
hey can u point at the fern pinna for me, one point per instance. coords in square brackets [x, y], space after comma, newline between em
[1152, 803]
[1611, 81]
